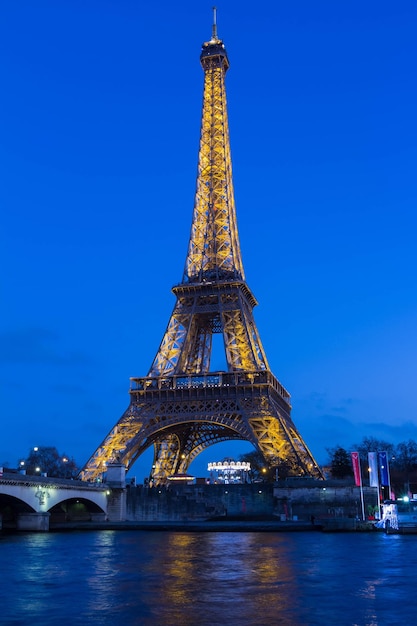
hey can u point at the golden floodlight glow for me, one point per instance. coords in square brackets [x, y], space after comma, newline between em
[184, 405]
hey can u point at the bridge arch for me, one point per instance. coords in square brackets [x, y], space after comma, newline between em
[11, 507]
[76, 509]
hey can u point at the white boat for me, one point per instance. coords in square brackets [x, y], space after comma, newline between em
[398, 516]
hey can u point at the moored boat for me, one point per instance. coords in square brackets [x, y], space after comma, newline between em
[399, 516]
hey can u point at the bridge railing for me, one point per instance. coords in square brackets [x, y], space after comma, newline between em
[16, 478]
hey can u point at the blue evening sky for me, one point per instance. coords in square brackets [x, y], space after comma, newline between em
[100, 109]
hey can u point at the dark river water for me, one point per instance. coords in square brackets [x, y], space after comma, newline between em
[173, 578]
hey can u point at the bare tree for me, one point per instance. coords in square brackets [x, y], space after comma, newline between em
[47, 460]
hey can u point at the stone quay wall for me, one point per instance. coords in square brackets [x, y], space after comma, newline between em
[324, 502]
[320, 499]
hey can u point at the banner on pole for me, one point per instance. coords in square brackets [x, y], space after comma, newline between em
[356, 468]
[373, 469]
[383, 468]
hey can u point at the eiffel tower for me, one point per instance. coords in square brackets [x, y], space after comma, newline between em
[182, 407]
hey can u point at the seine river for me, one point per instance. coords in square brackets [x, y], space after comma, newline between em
[113, 578]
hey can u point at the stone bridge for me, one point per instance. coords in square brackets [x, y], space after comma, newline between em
[40, 503]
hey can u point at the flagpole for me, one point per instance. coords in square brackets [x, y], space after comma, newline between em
[358, 478]
[361, 488]
[378, 488]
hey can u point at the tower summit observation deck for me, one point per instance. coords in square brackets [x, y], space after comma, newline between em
[182, 406]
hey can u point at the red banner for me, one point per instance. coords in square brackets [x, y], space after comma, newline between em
[356, 468]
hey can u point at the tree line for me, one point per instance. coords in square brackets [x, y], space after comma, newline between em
[46, 460]
[402, 459]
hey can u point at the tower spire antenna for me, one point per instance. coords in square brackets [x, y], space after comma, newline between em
[214, 27]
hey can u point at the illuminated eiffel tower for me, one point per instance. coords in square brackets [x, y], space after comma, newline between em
[182, 407]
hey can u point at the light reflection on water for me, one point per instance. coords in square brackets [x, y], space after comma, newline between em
[161, 578]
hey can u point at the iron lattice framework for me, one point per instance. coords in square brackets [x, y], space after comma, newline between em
[181, 407]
